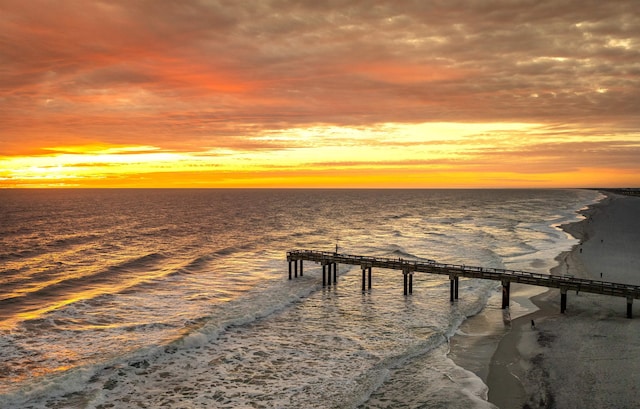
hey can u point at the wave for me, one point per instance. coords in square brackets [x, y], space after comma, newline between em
[148, 260]
[400, 252]
[400, 216]
[200, 262]
[404, 254]
[23, 254]
[35, 247]
[47, 294]
[72, 240]
[197, 333]
[306, 233]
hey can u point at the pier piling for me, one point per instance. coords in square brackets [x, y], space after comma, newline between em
[364, 279]
[506, 293]
[453, 288]
[410, 283]
[451, 284]
[366, 271]
[324, 275]
[629, 307]
[563, 300]
[335, 273]
[406, 287]
[456, 286]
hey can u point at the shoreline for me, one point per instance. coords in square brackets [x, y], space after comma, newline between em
[499, 349]
[518, 350]
[573, 359]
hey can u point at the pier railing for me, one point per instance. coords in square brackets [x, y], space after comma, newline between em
[408, 267]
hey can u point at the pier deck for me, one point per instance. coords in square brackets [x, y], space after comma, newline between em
[408, 267]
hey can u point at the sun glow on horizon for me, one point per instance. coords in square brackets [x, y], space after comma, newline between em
[385, 155]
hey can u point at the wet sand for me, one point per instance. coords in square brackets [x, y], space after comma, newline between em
[588, 357]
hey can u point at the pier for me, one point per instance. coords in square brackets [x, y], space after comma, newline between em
[565, 283]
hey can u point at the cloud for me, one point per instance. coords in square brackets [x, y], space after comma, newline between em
[195, 75]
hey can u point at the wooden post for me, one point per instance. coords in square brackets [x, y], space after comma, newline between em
[289, 269]
[370, 277]
[335, 273]
[451, 291]
[364, 278]
[295, 268]
[629, 307]
[410, 283]
[456, 287]
[300, 267]
[404, 273]
[506, 290]
[324, 275]
[563, 300]
[329, 274]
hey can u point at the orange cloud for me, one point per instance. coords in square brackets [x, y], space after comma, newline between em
[251, 82]
[408, 72]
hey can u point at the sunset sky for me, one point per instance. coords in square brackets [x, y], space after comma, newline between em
[206, 93]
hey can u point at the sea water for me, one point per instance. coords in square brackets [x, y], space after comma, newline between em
[181, 298]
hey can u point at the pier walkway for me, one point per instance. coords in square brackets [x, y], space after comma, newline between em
[565, 283]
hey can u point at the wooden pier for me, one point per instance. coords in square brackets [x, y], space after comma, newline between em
[565, 283]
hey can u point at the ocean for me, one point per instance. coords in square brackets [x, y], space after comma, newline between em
[149, 298]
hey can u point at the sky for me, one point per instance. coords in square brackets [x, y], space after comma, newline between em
[337, 93]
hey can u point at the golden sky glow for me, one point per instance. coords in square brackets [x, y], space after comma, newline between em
[200, 93]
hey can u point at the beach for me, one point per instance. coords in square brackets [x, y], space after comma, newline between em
[589, 356]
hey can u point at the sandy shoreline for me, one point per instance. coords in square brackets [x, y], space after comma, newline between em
[588, 357]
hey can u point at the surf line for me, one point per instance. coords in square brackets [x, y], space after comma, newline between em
[329, 262]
